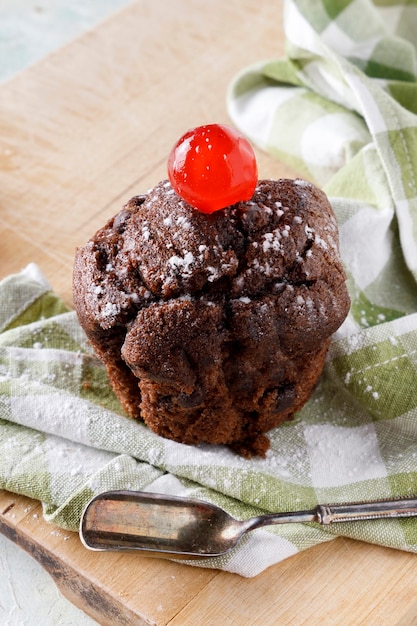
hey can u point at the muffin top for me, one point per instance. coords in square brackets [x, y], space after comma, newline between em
[284, 241]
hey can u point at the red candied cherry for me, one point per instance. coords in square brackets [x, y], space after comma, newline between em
[212, 167]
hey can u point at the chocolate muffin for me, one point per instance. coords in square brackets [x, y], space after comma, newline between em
[214, 328]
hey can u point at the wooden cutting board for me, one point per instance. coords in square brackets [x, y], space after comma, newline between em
[80, 133]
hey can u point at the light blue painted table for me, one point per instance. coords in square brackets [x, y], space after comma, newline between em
[29, 30]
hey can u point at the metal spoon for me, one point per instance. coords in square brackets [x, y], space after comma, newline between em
[185, 528]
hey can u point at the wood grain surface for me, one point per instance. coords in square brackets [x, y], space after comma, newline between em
[80, 133]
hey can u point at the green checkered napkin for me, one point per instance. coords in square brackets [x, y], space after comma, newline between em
[341, 109]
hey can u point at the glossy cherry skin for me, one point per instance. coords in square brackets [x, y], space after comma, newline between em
[212, 167]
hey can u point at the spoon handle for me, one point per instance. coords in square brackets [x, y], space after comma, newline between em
[377, 509]
[326, 514]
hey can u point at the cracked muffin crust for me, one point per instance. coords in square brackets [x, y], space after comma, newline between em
[214, 328]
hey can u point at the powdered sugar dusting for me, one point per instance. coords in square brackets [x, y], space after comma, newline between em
[184, 264]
